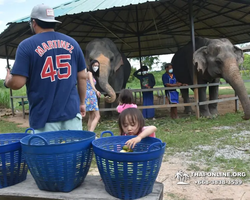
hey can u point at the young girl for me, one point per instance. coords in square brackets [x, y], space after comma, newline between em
[131, 122]
[125, 100]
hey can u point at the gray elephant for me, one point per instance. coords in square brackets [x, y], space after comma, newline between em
[114, 67]
[213, 59]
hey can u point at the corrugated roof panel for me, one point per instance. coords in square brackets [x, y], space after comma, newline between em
[79, 6]
[163, 25]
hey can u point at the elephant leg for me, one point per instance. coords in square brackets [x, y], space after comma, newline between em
[213, 95]
[185, 96]
[204, 111]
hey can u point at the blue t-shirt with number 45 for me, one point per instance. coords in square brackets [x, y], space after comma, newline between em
[50, 61]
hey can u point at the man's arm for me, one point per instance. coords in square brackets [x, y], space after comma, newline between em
[81, 86]
[14, 82]
[136, 74]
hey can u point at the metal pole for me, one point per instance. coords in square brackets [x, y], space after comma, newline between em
[8, 65]
[138, 35]
[196, 94]
[139, 42]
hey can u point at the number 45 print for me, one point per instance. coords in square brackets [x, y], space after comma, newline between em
[48, 70]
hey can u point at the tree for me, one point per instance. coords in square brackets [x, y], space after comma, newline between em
[148, 60]
[246, 63]
[131, 76]
[163, 65]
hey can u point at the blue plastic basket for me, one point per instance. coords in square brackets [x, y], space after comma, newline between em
[128, 175]
[13, 168]
[59, 160]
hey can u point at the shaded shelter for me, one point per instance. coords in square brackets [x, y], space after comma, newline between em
[140, 27]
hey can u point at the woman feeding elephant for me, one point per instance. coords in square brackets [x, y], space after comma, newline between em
[91, 93]
[114, 69]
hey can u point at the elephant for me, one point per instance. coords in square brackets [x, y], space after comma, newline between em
[114, 67]
[213, 59]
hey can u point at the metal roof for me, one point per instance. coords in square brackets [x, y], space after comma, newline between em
[161, 26]
[79, 6]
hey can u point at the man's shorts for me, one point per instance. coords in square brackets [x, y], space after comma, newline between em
[71, 124]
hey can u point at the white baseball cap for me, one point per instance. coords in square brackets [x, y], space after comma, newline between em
[43, 13]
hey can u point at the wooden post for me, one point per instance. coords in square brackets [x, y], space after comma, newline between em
[11, 94]
[196, 94]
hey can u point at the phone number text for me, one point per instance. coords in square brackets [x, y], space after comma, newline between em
[219, 182]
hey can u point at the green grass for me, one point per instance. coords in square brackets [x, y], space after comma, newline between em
[10, 127]
[189, 135]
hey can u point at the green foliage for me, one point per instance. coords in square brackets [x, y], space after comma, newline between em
[4, 96]
[246, 63]
[5, 99]
[1, 84]
[131, 76]
[163, 66]
[148, 60]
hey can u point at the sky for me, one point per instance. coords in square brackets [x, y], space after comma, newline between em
[12, 10]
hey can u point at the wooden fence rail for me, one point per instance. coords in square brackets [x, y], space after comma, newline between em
[161, 94]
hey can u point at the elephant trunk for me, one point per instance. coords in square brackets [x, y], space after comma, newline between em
[233, 77]
[103, 78]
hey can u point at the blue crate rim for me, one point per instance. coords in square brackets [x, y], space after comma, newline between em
[163, 145]
[12, 143]
[58, 144]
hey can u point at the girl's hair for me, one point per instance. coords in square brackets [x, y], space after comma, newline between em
[126, 97]
[91, 69]
[132, 115]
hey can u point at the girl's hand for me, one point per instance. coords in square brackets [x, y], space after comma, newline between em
[98, 93]
[132, 142]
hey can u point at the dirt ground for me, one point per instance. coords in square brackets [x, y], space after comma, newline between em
[167, 175]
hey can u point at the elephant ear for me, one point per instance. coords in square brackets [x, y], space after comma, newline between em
[239, 55]
[199, 59]
[119, 63]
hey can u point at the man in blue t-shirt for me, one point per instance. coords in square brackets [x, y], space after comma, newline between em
[169, 80]
[51, 64]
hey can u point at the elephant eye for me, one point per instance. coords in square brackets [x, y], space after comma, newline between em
[111, 59]
[218, 61]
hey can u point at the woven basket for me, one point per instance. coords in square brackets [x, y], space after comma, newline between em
[128, 175]
[59, 160]
[13, 168]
